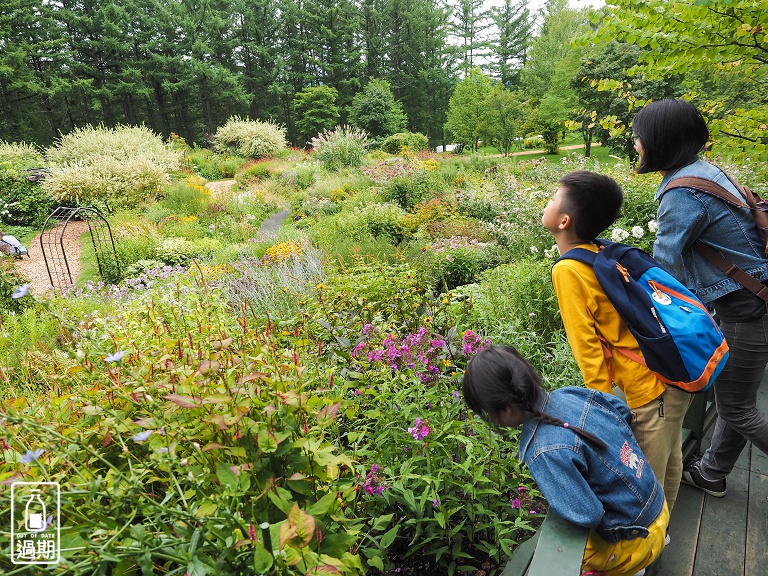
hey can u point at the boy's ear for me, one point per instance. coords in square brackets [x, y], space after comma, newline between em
[565, 221]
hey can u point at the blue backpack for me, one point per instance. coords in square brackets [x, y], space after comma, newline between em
[680, 341]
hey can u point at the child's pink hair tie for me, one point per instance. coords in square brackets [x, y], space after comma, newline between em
[565, 424]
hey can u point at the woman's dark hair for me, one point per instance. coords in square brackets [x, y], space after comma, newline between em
[672, 132]
[498, 377]
[592, 200]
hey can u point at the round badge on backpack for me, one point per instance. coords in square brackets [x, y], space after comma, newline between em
[661, 298]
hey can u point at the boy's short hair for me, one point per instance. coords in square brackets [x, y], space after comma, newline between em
[592, 200]
[672, 132]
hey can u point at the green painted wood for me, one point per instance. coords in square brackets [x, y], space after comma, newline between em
[756, 556]
[521, 557]
[677, 558]
[698, 421]
[560, 549]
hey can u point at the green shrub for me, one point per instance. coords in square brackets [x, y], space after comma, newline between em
[176, 251]
[386, 221]
[187, 198]
[412, 141]
[109, 167]
[134, 241]
[459, 260]
[517, 298]
[10, 281]
[340, 148]
[213, 166]
[533, 143]
[23, 202]
[250, 138]
[253, 173]
[407, 191]
[141, 266]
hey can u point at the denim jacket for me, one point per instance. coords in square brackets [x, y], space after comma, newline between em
[686, 215]
[614, 490]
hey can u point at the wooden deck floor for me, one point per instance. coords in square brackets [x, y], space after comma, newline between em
[722, 536]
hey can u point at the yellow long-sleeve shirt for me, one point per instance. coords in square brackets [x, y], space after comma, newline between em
[587, 312]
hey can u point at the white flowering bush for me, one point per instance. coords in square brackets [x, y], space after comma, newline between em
[109, 167]
[341, 147]
[250, 138]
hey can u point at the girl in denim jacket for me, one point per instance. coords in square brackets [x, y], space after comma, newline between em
[669, 136]
[582, 454]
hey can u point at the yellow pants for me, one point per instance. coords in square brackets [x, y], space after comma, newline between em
[625, 557]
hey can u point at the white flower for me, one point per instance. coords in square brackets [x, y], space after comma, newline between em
[653, 226]
[637, 231]
[552, 252]
[534, 250]
[619, 234]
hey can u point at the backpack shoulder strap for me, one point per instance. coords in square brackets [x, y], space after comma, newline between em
[580, 255]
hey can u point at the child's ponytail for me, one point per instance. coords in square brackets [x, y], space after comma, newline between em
[498, 377]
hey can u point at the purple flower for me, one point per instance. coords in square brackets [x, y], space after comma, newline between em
[515, 503]
[436, 503]
[374, 468]
[356, 350]
[32, 455]
[21, 291]
[419, 431]
[141, 436]
[116, 357]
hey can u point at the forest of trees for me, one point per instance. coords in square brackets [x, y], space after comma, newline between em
[186, 66]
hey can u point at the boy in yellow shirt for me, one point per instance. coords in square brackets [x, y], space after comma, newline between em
[583, 206]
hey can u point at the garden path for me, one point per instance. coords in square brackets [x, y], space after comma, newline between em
[35, 271]
[529, 152]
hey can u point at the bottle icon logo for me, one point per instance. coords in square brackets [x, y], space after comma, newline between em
[34, 513]
[35, 523]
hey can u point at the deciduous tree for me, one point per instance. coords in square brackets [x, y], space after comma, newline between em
[691, 36]
[466, 109]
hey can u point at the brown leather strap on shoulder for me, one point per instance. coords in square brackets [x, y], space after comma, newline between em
[731, 270]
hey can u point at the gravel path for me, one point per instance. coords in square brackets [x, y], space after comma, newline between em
[34, 270]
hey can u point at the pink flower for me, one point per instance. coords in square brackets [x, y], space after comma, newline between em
[515, 503]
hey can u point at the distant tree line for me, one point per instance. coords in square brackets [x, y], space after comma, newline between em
[186, 66]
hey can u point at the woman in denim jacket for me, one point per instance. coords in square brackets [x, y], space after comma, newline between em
[669, 136]
[582, 454]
